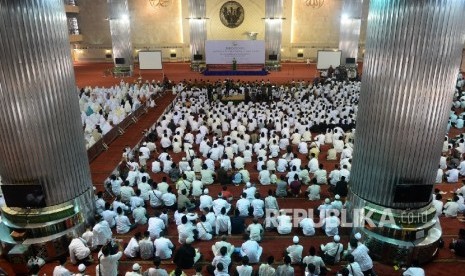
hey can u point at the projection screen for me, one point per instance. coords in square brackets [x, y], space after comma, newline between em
[328, 58]
[150, 60]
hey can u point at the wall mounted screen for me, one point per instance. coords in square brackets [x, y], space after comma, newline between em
[244, 51]
[328, 58]
[150, 60]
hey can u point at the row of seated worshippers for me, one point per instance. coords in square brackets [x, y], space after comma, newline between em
[103, 108]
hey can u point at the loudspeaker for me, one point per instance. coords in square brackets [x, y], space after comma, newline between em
[273, 57]
[107, 55]
[119, 61]
[198, 57]
[300, 55]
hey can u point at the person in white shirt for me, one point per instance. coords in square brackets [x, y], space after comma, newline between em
[353, 268]
[109, 215]
[321, 175]
[156, 271]
[360, 253]
[264, 176]
[452, 175]
[99, 203]
[123, 225]
[243, 205]
[252, 250]
[205, 229]
[101, 233]
[333, 250]
[335, 175]
[126, 192]
[115, 183]
[108, 263]
[79, 251]
[61, 270]
[146, 250]
[132, 249]
[139, 214]
[314, 190]
[451, 207]
[186, 230]
[222, 243]
[270, 202]
[295, 251]
[163, 247]
[250, 191]
[207, 176]
[308, 226]
[220, 203]
[155, 225]
[155, 196]
[284, 223]
[439, 176]
[136, 200]
[312, 258]
[206, 201]
[313, 163]
[245, 269]
[414, 270]
[331, 224]
[266, 269]
[223, 223]
[258, 206]
[337, 203]
[169, 199]
[438, 204]
[255, 230]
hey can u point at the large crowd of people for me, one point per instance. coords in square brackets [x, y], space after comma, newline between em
[212, 169]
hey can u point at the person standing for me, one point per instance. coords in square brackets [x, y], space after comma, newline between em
[107, 262]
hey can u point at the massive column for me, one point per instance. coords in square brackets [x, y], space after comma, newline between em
[273, 28]
[349, 35]
[411, 60]
[43, 162]
[198, 28]
[120, 30]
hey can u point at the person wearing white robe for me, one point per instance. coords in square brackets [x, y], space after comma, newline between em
[205, 229]
[132, 249]
[163, 248]
[308, 226]
[252, 250]
[295, 251]
[78, 250]
[331, 225]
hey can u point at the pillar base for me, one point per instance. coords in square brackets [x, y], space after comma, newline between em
[396, 236]
[45, 232]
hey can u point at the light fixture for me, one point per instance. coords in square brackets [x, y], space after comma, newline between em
[160, 3]
[314, 3]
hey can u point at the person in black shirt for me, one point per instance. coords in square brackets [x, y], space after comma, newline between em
[341, 187]
[237, 223]
[186, 256]
[458, 246]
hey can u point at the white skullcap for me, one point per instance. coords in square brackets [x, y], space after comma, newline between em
[135, 267]
[205, 191]
[144, 144]
[248, 184]
[295, 239]
[337, 238]
[82, 268]
[337, 197]
[358, 236]
[189, 240]
[327, 201]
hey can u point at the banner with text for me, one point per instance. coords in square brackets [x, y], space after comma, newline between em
[243, 51]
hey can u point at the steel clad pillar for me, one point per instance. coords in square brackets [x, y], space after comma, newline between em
[412, 55]
[43, 161]
[120, 30]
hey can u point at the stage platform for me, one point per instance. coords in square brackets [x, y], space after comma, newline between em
[241, 70]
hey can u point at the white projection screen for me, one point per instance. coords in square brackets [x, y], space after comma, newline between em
[244, 51]
[150, 60]
[328, 58]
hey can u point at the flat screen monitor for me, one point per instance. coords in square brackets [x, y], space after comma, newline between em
[350, 60]
[119, 61]
[198, 57]
[411, 193]
[24, 196]
[273, 57]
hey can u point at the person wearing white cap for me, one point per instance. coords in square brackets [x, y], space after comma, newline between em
[324, 208]
[295, 251]
[220, 203]
[206, 201]
[332, 251]
[337, 203]
[136, 269]
[82, 270]
[145, 150]
[349, 250]
[184, 165]
[250, 191]
[360, 253]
